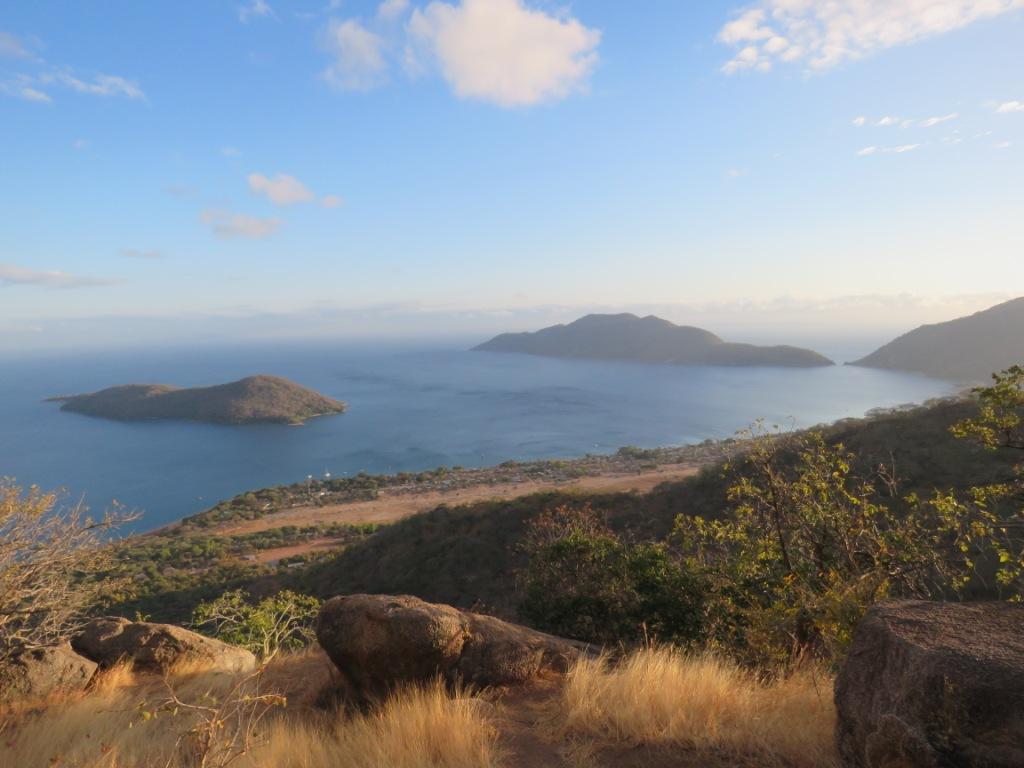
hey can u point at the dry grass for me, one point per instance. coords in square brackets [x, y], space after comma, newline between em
[418, 728]
[664, 698]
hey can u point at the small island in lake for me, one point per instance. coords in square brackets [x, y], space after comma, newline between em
[255, 399]
[647, 340]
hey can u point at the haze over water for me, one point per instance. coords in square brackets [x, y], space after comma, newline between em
[410, 409]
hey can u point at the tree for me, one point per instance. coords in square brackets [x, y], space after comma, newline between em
[584, 581]
[276, 623]
[54, 565]
[807, 545]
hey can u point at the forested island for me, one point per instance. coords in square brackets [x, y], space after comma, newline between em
[647, 340]
[255, 399]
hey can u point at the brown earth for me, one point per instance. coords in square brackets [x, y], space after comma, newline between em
[390, 506]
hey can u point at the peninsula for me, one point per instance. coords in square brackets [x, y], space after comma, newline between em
[647, 340]
[967, 349]
[256, 399]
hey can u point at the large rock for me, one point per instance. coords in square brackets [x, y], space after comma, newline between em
[378, 641]
[157, 647]
[934, 685]
[40, 672]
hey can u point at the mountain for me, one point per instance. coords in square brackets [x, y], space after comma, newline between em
[646, 340]
[250, 400]
[966, 349]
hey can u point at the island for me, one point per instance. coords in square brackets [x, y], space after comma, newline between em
[256, 399]
[969, 349]
[647, 340]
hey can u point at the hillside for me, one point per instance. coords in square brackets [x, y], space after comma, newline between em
[967, 349]
[251, 400]
[647, 340]
[469, 555]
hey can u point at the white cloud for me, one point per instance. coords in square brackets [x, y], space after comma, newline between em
[101, 85]
[331, 201]
[503, 52]
[1010, 106]
[230, 151]
[859, 122]
[868, 151]
[134, 253]
[1002, 145]
[226, 224]
[887, 121]
[823, 33]
[735, 173]
[21, 89]
[281, 190]
[80, 143]
[254, 10]
[933, 121]
[11, 274]
[11, 47]
[358, 53]
[389, 10]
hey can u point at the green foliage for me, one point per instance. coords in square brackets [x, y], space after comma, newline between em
[279, 622]
[1000, 421]
[584, 581]
[808, 545]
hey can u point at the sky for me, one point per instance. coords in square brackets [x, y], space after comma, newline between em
[279, 168]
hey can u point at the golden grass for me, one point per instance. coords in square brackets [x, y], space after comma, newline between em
[662, 697]
[103, 728]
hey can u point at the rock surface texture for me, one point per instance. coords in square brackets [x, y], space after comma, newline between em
[40, 672]
[380, 641]
[157, 647]
[936, 685]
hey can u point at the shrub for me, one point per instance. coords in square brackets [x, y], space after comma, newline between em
[54, 565]
[584, 581]
[279, 622]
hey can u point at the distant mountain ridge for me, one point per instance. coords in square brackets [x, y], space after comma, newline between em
[967, 349]
[647, 340]
[251, 400]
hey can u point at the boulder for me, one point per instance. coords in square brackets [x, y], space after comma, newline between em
[379, 641]
[157, 647]
[933, 685]
[36, 673]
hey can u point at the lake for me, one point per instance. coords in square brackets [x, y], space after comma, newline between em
[411, 407]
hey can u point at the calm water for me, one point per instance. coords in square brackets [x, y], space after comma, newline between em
[410, 409]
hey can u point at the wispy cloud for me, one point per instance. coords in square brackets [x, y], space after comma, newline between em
[820, 34]
[257, 9]
[859, 122]
[230, 225]
[1002, 145]
[12, 274]
[100, 85]
[930, 122]
[897, 150]
[11, 47]
[230, 151]
[358, 61]
[1010, 106]
[331, 201]
[281, 190]
[135, 253]
[390, 10]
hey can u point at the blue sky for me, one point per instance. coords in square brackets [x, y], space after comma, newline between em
[461, 165]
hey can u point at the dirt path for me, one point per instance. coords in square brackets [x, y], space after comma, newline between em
[389, 507]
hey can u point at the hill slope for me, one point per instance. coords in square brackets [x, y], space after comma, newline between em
[966, 349]
[249, 400]
[646, 340]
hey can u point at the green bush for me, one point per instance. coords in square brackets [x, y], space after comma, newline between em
[584, 581]
[279, 622]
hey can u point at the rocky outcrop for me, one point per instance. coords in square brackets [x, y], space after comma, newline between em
[40, 672]
[934, 685]
[157, 647]
[379, 641]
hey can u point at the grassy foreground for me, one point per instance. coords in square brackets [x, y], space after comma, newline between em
[675, 709]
